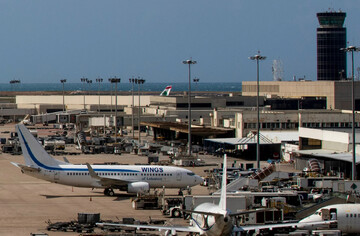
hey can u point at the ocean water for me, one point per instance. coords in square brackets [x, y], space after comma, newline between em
[228, 87]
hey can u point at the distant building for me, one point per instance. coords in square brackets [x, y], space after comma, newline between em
[246, 121]
[331, 37]
[331, 147]
[336, 94]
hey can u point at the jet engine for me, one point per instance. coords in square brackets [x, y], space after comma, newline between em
[138, 187]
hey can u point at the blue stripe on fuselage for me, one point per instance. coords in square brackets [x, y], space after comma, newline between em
[37, 162]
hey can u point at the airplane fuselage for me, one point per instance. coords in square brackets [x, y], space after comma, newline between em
[79, 176]
[347, 216]
[212, 225]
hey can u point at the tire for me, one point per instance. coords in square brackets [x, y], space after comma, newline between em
[176, 213]
[111, 193]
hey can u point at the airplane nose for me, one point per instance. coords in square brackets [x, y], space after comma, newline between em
[199, 179]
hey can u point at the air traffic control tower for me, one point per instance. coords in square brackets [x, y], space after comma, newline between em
[331, 37]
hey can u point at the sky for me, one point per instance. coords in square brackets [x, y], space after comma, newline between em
[44, 41]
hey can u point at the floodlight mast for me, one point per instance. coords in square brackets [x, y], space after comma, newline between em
[257, 58]
[189, 63]
[115, 81]
[63, 81]
[352, 49]
[99, 81]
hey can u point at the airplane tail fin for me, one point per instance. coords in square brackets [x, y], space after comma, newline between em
[34, 154]
[166, 91]
[222, 202]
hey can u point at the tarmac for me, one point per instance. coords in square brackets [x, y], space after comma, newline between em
[27, 203]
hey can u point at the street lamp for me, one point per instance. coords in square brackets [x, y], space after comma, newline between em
[189, 63]
[111, 95]
[115, 81]
[132, 81]
[63, 81]
[196, 81]
[84, 80]
[14, 82]
[352, 49]
[139, 82]
[99, 80]
[257, 58]
[89, 82]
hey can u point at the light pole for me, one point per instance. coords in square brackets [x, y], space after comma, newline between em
[352, 49]
[111, 100]
[63, 81]
[89, 82]
[115, 81]
[139, 82]
[189, 63]
[14, 82]
[84, 80]
[99, 80]
[196, 81]
[132, 81]
[257, 58]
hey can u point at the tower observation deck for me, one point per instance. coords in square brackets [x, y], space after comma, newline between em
[331, 37]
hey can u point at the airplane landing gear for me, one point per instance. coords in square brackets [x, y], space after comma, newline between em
[109, 192]
[188, 190]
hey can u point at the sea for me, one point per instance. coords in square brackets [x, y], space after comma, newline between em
[214, 87]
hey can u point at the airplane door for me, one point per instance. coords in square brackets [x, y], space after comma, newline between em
[178, 176]
[325, 214]
[333, 214]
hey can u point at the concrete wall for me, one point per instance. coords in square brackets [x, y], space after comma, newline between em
[244, 118]
[326, 135]
[75, 102]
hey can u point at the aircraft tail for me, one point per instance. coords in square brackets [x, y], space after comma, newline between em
[34, 154]
[222, 202]
[166, 91]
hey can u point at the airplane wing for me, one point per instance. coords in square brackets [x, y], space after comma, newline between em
[26, 168]
[173, 229]
[106, 182]
[284, 225]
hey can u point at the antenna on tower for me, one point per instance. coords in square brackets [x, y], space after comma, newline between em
[278, 70]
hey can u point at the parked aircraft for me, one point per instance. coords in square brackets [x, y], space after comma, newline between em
[130, 178]
[215, 220]
[166, 91]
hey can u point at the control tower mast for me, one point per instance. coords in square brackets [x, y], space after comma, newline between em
[331, 37]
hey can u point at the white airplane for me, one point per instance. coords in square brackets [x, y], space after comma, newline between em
[214, 220]
[130, 178]
[166, 91]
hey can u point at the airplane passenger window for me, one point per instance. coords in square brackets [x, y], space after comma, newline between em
[350, 215]
[347, 215]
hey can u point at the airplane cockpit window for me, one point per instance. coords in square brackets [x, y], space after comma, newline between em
[190, 174]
